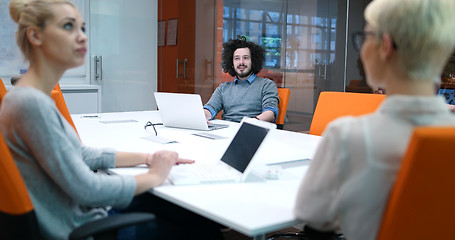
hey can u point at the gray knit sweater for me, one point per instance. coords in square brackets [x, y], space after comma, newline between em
[241, 98]
[57, 169]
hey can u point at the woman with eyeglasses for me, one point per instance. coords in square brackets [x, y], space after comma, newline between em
[404, 47]
[56, 167]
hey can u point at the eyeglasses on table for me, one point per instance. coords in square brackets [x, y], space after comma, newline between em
[148, 124]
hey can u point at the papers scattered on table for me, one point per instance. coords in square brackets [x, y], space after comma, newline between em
[209, 135]
[119, 121]
[158, 139]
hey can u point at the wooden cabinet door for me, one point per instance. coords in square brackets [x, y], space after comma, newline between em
[176, 62]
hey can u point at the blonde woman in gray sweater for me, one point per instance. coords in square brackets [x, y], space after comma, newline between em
[56, 167]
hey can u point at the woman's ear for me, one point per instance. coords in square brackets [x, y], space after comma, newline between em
[387, 48]
[34, 36]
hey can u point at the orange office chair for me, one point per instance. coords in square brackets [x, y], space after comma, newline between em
[2, 90]
[283, 94]
[57, 95]
[332, 105]
[16, 209]
[57, 87]
[17, 215]
[421, 203]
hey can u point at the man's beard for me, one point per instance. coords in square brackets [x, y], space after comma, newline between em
[242, 75]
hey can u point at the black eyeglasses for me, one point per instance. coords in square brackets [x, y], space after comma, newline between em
[148, 124]
[358, 38]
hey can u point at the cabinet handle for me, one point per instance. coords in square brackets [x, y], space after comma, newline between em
[184, 68]
[177, 75]
[98, 67]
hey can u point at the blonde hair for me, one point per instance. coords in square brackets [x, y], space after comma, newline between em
[421, 29]
[27, 13]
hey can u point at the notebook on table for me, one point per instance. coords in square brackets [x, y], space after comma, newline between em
[235, 164]
[182, 110]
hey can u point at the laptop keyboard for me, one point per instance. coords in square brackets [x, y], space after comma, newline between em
[214, 126]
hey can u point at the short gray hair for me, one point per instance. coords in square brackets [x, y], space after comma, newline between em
[423, 31]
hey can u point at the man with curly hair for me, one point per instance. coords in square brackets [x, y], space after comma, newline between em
[248, 95]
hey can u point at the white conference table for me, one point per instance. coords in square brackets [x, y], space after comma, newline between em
[253, 208]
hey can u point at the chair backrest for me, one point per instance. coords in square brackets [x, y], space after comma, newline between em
[17, 216]
[421, 204]
[2, 90]
[57, 95]
[332, 105]
[283, 94]
[57, 87]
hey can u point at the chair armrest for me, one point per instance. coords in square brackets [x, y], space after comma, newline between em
[308, 233]
[110, 225]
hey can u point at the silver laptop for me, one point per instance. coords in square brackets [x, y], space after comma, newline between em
[234, 165]
[182, 110]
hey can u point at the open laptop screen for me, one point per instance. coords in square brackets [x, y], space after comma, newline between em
[244, 145]
[449, 95]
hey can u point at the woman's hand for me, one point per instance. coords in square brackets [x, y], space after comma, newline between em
[160, 164]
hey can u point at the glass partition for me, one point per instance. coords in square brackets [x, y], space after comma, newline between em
[305, 42]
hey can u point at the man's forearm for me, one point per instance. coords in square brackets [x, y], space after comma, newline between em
[267, 116]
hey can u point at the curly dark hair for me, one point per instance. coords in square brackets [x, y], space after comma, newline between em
[229, 47]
